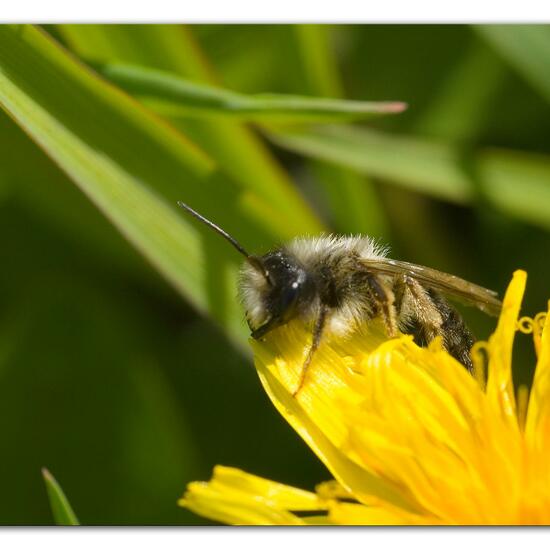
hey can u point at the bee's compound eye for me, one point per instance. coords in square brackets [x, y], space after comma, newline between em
[289, 295]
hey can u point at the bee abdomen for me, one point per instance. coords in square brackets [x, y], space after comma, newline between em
[457, 338]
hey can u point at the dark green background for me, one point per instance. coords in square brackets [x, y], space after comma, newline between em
[109, 379]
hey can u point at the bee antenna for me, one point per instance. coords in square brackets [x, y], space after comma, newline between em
[217, 229]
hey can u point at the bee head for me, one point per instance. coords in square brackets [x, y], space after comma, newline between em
[273, 289]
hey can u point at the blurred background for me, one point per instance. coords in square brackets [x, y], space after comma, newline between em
[110, 379]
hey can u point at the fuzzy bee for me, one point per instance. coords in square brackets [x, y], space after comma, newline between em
[335, 283]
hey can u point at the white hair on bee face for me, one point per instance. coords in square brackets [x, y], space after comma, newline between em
[252, 287]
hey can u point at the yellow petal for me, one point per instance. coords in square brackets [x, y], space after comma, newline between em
[537, 427]
[232, 508]
[500, 387]
[236, 497]
[357, 514]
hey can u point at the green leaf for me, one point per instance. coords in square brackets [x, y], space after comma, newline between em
[513, 181]
[526, 48]
[61, 509]
[134, 167]
[176, 96]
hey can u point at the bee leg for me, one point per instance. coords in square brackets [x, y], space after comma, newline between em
[385, 300]
[399, 289]
[316, 340]
[425, 314]
[416, 309]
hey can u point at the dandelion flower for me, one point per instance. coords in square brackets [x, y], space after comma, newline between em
[408, 434]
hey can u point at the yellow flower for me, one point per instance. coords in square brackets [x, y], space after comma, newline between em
[408, 434]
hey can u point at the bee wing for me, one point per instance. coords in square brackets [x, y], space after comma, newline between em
[482, 298]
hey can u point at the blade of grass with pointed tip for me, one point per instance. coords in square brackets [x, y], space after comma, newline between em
[176, 96]
[516, 182]
[237, 149]
[134, 167]
[526, 48]
[61, 509]
[352, 199]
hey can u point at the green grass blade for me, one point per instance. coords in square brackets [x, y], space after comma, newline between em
[237, 149]
[350, 197]
[424, 166]
[176, 96]
[318, 60]
[166, 47]
[526, 48]
[516, 182]
[134, 168]
[460, 107]
[61, 508]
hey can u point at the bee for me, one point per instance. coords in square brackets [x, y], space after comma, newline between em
[335, 283]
